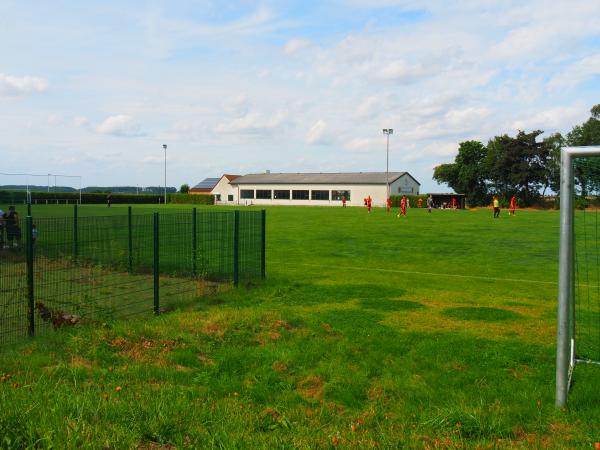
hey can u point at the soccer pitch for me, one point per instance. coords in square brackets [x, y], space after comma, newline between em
[431, 331]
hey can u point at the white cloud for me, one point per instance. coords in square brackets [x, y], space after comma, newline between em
[558, 118]
[318, 133]
[361, 144]
[253, 123]
[81, 121]
[583, 70]
[14, 86]
[294, 45]
[120, 125]
[238, 106]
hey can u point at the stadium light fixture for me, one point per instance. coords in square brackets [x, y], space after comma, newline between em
[387, 132]
[165, 147]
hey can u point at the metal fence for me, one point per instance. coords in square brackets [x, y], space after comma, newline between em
[92, 269]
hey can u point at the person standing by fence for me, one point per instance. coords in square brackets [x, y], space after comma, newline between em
[2, 222]
[343, 201]
[13, 230]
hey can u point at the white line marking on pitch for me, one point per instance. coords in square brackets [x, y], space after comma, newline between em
[412, 272]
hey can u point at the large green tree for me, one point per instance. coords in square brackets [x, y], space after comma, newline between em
[587, 170]
[518, 165]
[467, 175]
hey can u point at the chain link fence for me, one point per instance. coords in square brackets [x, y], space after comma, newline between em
[62, 271]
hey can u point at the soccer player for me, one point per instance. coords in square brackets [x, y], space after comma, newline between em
[389, 203]
[402, 207]
[513, 206]
[108, 200]
[369, 203]
[496, 205]
[343, 201]
[453, 203]
[420, 203]
[429, 203]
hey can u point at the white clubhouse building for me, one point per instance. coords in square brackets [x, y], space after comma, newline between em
[315, 189]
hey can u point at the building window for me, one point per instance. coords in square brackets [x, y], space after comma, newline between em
[300, 195]
[319, 195]
[247, 193]
[230, 198]
[337, 195]
[218, 197]
[263, 194]
[405, 190]
[281, 195]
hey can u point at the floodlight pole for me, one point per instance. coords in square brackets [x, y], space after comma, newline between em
[387, 132]
[165, 147]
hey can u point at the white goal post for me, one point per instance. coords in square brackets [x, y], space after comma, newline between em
[566, 348]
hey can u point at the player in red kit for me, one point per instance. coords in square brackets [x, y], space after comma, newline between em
[402, 206]
[389, 203]
[513, 206]
[369, 203]
[420, 203]
[343, 201]
[453, 203]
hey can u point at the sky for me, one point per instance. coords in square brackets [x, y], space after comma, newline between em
[96, 88]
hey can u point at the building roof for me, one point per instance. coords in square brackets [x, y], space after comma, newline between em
[206, 185]
[231, 177]
[320, 178]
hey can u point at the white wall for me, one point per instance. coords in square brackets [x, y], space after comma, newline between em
[357, 193]
[403, 186]
[225, 189]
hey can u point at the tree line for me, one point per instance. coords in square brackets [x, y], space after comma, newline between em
[524, 165]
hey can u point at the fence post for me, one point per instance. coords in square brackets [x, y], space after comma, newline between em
[263, 245]
[29, 208]
[194, 242]
[75, 232]
[236, 248]
[30, 276]
[156, 268]
[129, 240]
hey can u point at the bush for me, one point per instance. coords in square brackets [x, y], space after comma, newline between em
[414, 200]
[16, 197]
[191, 199]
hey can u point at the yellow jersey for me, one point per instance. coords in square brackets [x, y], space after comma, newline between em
[496, 203]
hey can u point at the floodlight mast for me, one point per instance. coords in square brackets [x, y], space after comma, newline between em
[387, 132]
[165, 147]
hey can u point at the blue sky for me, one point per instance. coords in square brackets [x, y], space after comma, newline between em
[96, 88]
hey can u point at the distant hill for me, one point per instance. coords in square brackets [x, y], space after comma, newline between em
[113, 189]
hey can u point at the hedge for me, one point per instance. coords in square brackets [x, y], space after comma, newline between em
[191, 199]
[414, 200]
[9, 197]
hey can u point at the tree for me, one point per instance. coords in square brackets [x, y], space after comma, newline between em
[467, 175]
[184, 189]
[554, 142]
[518, 166]
[586, 170]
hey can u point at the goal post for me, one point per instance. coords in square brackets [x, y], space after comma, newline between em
[567, 356]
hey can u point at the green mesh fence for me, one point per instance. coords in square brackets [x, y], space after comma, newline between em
[587, 259]
[92, 269]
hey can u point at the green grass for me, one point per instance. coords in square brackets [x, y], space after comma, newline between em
[433, 331]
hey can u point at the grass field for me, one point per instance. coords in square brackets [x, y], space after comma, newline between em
[435, 331]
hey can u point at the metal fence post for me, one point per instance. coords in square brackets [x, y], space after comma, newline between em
[30, 276]
[129, 240]
[263, 244]
[236, 248]
[75, 232]
[156, 267]
[194, 242]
